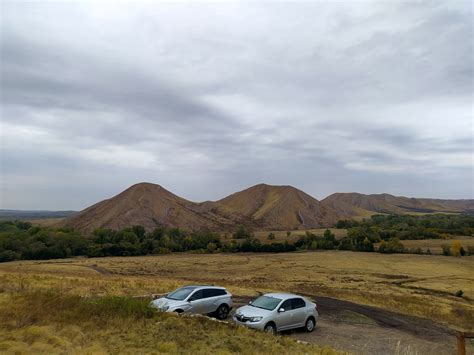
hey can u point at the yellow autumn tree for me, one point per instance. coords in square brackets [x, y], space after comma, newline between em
[456, 248]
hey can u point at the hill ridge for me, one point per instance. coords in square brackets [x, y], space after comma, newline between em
[262, 206]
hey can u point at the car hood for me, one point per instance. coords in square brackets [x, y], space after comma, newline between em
[163, 302]
[249, 311]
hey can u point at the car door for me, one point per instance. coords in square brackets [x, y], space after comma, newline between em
[211, 297]
[197, 302]
[284, 320]
[298, 312]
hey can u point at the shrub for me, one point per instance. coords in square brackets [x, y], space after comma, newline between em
[211, 247]
[459, 293]
[8, 255]
[446, 249]
[456, 248]
[392, 246]
[345, 244]
[271, 236]
[242, 233]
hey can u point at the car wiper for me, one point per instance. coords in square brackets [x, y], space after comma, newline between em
[260, 307]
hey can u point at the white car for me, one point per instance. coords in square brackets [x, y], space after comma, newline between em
[211, 300]
[274, 312]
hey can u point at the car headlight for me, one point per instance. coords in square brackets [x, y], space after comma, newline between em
[256, 319]
[160, 306]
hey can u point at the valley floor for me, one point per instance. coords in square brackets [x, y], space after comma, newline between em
[419, 289]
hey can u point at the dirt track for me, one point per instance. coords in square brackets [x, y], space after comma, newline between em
[362, 329]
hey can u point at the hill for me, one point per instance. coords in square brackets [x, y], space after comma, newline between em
[149, 205]
[360, 205]
[278, 208]
[261, 207]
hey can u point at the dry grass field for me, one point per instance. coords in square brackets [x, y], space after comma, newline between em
[419, 285]
[73, 306]
[50, 322]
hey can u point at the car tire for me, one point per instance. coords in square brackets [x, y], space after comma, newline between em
[179, 311]
[270, 328]
[310, 324]
[222, 312]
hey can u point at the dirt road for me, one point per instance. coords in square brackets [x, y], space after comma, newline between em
[361, 329]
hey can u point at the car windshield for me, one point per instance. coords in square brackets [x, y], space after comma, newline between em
[180, 294]
[266, 302]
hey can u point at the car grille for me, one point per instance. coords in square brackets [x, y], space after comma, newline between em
[242, 318]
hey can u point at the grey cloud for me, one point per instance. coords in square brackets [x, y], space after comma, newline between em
[366, 96]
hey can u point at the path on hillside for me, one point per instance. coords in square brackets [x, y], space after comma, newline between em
[361, 329]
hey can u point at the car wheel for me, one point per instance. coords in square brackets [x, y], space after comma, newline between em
[222, 312]
[310, 324]
[179, 311]
[270, 328]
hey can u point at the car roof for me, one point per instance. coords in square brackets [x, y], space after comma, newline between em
[282, 296]
[204, 286]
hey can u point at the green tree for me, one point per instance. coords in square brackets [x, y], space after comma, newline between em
[242, 233]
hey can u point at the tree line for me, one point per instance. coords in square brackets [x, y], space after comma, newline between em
[432, 226]
[21, 240]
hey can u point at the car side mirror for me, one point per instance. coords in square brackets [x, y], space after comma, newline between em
[281, 310]
[190, 299]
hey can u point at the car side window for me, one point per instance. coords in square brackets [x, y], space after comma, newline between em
[298, 303]
[286, 305]
[209, 292]
[213, 292]
[197, 295]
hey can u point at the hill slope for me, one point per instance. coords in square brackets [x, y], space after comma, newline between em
[263, 207]
[278, 207]
[149, 205]
[355, 204]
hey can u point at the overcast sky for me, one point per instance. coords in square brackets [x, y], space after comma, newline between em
[209, 98]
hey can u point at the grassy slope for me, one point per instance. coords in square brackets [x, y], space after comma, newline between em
[413, 284]
[58, 322]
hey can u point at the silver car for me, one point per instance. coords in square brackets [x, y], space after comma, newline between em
[211, 300]
[274, 312]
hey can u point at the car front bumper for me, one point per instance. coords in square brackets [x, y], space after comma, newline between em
[254, 325]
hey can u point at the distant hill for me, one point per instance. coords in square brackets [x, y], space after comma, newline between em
[355, 204]
[278, 208]
[149, 205]
[33, 214]
[261, 207]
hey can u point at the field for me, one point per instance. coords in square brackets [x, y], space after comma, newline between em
[416, 285]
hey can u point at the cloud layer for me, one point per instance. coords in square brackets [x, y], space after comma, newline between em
[206, 99]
